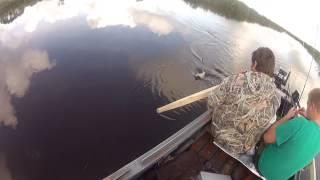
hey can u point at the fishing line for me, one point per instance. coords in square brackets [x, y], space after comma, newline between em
[317, 33]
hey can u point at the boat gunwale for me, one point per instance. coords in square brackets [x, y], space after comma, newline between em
[148, 159]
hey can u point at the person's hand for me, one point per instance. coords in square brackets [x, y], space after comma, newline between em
[302, 112]
[291, 113]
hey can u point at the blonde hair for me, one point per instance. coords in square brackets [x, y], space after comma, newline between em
[314, 98]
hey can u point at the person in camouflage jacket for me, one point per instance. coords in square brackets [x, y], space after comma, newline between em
[244, 105]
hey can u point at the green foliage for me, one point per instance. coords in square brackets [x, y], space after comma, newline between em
[11, 9]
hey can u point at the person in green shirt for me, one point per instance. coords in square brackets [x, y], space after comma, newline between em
[292, 143]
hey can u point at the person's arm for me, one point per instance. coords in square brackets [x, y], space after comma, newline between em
[216, 96]
[270, 135]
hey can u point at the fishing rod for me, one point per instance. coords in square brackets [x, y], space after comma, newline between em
[312, 59]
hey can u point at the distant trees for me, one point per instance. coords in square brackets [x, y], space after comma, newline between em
[237, 10]
[10, 10]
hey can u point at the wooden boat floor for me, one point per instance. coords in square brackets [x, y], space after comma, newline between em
[202, 155]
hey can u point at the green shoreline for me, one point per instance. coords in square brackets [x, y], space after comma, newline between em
[237, 10]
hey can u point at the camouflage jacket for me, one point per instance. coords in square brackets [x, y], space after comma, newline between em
[243, 106]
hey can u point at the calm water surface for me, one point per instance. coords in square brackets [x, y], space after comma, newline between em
[80, 80]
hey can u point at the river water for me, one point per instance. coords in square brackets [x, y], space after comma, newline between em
[80, 80]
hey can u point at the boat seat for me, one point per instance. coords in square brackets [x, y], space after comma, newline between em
[246, 160]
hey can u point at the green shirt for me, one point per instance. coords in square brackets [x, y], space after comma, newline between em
[297, 143]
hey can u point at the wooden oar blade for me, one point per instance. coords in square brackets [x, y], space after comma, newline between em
[186, 100]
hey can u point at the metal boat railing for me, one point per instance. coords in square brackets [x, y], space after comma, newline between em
[141, 164]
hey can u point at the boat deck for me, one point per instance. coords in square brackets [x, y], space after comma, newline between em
[202, 155]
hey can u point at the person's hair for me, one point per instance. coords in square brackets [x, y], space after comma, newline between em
[314, 98]
[265, 60]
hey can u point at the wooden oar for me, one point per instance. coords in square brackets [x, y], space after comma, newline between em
[186, 100]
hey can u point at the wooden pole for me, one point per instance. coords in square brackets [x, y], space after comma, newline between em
[186, 100]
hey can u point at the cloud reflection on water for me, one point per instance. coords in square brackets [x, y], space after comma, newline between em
[17, 66]
[16, 71]
[99, 14]
[224, 44]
